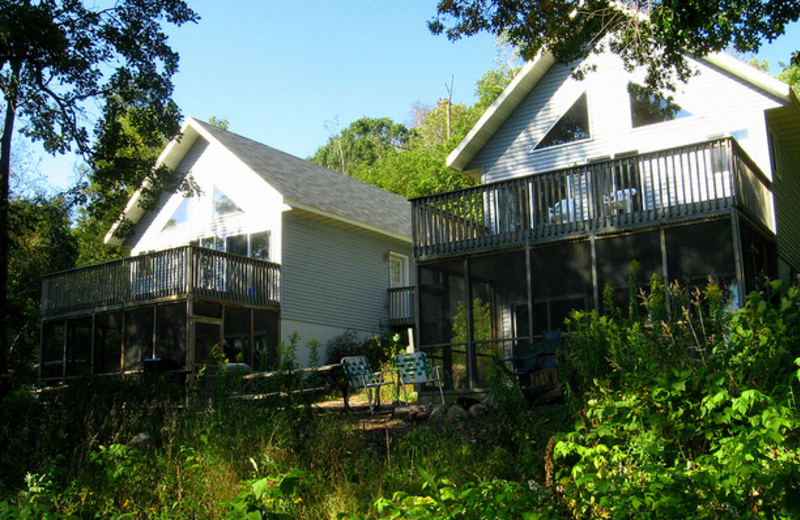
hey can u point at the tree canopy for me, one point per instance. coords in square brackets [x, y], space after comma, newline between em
[55, 56]
[364, 142]
[412, 161]
[654, 35]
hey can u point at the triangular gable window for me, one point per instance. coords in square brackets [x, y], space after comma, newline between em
[649, 109]
[223, 205]
[573, 126]
[180, 217]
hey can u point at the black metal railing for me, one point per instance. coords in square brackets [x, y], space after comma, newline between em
[637, 190]
[172, 273]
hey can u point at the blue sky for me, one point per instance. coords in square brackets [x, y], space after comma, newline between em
[287, 74]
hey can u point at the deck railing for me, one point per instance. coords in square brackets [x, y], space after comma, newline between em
[401, 306]
[637, 190]
[173, 273]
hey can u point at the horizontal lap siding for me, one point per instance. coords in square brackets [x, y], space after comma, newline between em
[334, 277]
[210, 167]
[787, 193]
[720, 104]
[137, 240]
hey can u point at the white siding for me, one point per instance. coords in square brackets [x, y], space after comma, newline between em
[212, 166]
[720, 103]
[332, 277]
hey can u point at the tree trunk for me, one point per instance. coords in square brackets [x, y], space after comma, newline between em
[5, 174]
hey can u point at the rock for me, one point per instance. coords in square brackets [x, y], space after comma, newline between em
[456, 413]
[418, 416]
[438, 413]
[406, 412]
[478, 409]
[142, 440]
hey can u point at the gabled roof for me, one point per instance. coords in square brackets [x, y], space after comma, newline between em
[525, 81]
[304, 185]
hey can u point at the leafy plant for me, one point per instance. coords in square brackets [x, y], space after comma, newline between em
[273, 498]
[440, 498]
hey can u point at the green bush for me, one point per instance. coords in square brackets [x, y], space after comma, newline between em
[710, 432]
[379, 350]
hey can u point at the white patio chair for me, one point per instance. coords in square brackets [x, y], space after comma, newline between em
[360, 374]
[413, 368]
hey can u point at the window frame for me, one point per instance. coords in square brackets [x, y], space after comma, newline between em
[536, 147]
[405, 275]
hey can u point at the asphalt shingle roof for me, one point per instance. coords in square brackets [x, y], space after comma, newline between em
[316, 186]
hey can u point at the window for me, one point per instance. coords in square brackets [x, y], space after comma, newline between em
[180, 217]
[255, 245]
[259, 245]
[213, 243]
[223, 205]
[573, 126]
[398, 270]
[236, 245]
[648, 108]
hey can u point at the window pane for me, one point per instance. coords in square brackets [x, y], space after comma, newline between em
[213, 243]
[180, 217]
[573, 126]
[647, 108]
[237, 245]
[259, 245]
[223, 205]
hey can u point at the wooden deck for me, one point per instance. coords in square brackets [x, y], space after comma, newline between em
[624, 193]
[173, 273]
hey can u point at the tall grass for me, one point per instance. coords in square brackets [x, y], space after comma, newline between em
[219, 460]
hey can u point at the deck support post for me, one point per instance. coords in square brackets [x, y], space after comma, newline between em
[595, 283]
[664, 266]
[738, 256]
[471, 359]
[529, 277]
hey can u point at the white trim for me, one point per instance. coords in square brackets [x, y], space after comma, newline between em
[404, 269]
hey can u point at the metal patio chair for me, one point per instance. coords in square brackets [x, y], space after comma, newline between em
[414, 368]
[360, 374]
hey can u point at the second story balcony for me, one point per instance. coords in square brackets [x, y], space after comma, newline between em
[642, 190]
[171, 274]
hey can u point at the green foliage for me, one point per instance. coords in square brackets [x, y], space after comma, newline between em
[41, 243]
[440, 498]
[273, 498]
[219, 122]
[791, 74]
[654, 35]
[694, 417]
[363, 143]
[379, 350]
[481, 321]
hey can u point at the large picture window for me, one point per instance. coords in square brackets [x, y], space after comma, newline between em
[648, 108]
[180, 217]
[223, 205]
[573, 126]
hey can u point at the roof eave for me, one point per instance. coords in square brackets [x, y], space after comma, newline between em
[499, 111]
[170, 157]
[757, 78]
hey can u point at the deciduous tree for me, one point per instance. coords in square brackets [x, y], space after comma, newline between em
[55, 55]
[653, 34]
[366, 141]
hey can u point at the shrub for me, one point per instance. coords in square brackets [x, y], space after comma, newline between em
[378, 350]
